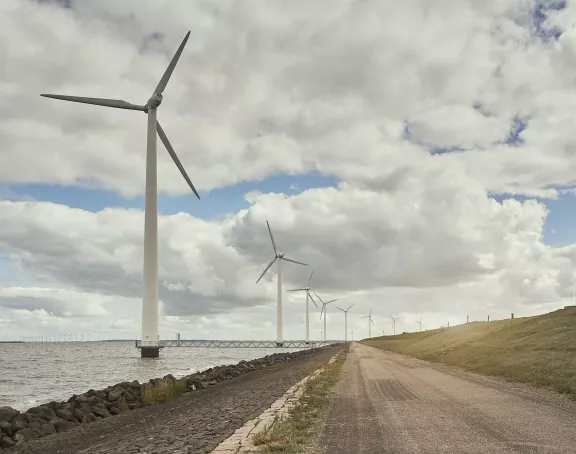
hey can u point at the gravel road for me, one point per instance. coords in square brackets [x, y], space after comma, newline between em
[194, 423]
[390, 403]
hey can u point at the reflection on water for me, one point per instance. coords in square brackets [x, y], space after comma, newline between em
[35, 373]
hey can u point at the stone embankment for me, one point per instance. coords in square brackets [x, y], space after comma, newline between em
[55, 417]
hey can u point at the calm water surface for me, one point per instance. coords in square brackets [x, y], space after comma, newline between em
[36, 373]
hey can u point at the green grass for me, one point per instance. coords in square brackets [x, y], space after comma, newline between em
[296, 433]
[540, 350]
[163, 392]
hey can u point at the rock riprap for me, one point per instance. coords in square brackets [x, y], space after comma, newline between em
[50, 418]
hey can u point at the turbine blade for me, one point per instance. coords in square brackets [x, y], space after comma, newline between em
[322, 310]
[267, 268]
[318, 297]
[166, 76]
[296, 290]
[349, 307]
[117, 103]
[371, 321]
[312, 299]
[294, 261]
[339, 308]
[331, 301]
[370, 311]
[174, 156]
[311, 274]
[366, 316]
[272, 238]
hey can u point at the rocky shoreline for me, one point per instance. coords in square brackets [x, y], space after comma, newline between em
[55, 417]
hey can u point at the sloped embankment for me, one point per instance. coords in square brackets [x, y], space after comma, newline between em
[537, 350]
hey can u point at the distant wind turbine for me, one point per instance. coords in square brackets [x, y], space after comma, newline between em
[150, 347]
[345, 320]
[419, 322]
[308, 298]
[370, 323]
[323, 311]
[394, 322]
[278, 256]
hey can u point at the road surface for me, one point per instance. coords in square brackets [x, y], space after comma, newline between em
[390, 403]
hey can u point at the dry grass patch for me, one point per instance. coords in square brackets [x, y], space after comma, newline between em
[295, 433]
[163, 392]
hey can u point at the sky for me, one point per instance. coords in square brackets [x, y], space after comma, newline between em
[421, 159]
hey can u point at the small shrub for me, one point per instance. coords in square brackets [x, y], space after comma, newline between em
[163, 392]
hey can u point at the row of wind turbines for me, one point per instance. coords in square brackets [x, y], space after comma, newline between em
[394, 320]
[279, 256]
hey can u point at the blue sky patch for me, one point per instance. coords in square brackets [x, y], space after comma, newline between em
[518, 125]
[539, 16]
[559, 227]
[215, 204]
[10, 276]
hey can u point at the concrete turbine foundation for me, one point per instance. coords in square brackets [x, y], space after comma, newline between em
[149, 352]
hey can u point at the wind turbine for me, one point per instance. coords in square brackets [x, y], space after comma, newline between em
[345, 320]
[394, 322]
[308, 297]
[370, 323]
[323, 311]
[149, 346]
[278, 256]
[419, 322]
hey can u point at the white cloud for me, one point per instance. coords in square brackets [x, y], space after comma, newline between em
[271, 88]
[358, 90]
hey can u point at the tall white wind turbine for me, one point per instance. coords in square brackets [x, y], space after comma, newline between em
[278, 256]
[370, 323]
[149, 345]
[419, 322]
[394, 323]
[308, 298]
[323, 311]
[345, 320]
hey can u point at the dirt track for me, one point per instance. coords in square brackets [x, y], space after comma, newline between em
[389, 403]
[194, 423]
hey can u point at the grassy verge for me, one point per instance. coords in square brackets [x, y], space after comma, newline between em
[540, 350]
[295, 433]
[163, 392]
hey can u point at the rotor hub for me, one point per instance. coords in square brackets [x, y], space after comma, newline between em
[280, 255]
[154, 101]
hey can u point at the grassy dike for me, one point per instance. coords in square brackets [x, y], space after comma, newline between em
[540, 350]
[297, 432]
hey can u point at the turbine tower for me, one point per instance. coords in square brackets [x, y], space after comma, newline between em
[419, 322]
[345, 321]
[149, 347]
[308, 298]
[394, 323]
[370, 323]
[323, 311]
[278, 256]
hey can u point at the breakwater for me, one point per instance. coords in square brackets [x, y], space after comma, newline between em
[94, 405]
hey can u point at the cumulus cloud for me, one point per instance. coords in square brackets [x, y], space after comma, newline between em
[421, 113]
[268, 88]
